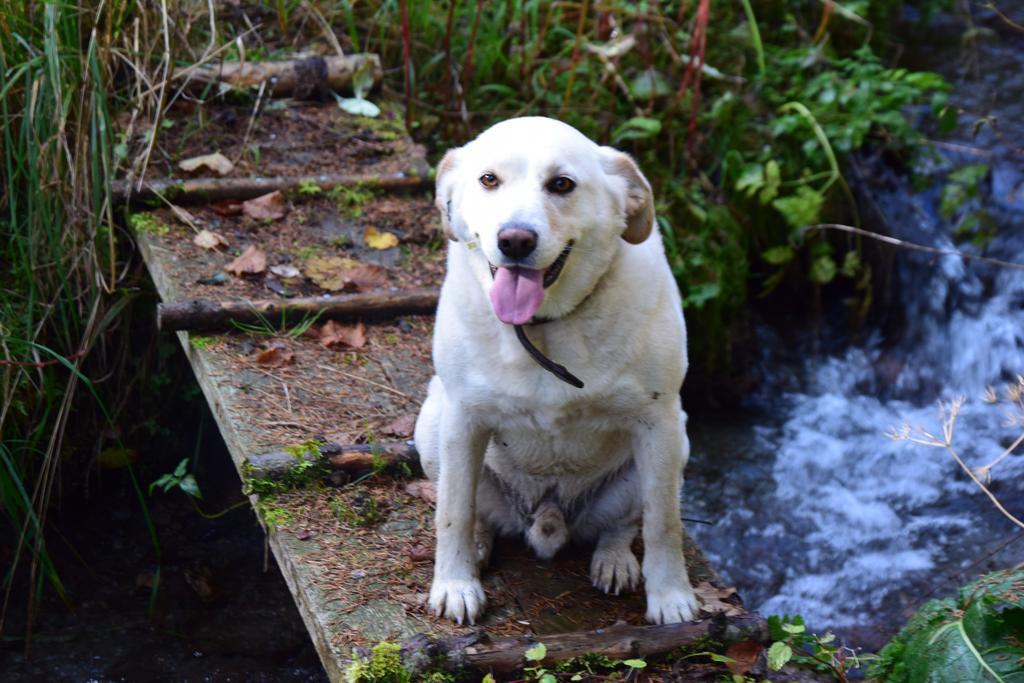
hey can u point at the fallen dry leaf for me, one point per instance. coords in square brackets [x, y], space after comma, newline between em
[252, 261]
[269, 207]
[208, 239]
[285, 271]
[424, 489]
[421, 553]
[712, 599]
[401, 426]
[227, 207]
[216, 162]
[275, 357]
[744, 655]
[336, 334]
[335, 274]
[375, 239]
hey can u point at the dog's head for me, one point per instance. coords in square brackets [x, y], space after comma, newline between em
[542, 210]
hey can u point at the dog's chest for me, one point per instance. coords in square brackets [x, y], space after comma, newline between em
[582, 440]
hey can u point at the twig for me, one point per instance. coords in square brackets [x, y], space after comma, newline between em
[911, 245]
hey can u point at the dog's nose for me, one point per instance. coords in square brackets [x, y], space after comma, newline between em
[517, 243]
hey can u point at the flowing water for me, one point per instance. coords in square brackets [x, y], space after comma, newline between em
[816, 511]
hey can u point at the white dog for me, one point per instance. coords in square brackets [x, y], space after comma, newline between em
[554, 233]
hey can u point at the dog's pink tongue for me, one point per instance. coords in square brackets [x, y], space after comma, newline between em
[516, 294]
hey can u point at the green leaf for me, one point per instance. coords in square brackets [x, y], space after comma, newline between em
[649, 83]
[548, 678]
[699, 294]
[794, 629]
[772, 182]
[190, 486]
[778, 255]
[635, 663]
[721, 659]
[969, 175]
[823, 271]
[536, 652]
[636, 128]
[362, 80]
[778, 654]
[358, 106]
[751, 179]
[179, 471]
[851, 264]
[802, 208]
[488, 678]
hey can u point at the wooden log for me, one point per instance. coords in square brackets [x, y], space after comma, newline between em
[207, 315]
[204, 190]
[298, 77]
[620, 641]
[350, 458]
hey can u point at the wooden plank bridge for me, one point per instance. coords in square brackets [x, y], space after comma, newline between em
[355, 545]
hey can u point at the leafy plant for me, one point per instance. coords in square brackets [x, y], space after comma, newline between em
[793, 643]
[180, 478]
[976, 636]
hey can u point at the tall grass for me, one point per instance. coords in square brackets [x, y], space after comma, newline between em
[60, 276]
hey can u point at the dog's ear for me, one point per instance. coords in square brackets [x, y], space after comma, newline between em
[639, 197]
[443, 193]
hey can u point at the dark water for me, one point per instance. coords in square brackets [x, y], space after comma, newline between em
[217, 617]
[819, 513]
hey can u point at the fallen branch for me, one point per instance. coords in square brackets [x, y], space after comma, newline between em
[621, 641]
[353, 459]
[207, 315]
[203, 190]
[298, 77]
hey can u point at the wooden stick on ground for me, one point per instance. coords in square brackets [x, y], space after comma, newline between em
[621, 641]
[287, 77]
[202, 190]
[353, 459]
[206, 315]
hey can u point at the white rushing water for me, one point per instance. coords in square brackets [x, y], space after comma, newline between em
[816, 510]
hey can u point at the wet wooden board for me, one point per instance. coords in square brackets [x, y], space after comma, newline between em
[356, 555]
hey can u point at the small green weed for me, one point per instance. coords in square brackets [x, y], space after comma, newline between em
[793, 643]
[351, 199]
[361, 512]
[180, 478]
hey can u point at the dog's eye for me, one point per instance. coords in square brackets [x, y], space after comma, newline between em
[561, 185]
[489, 180]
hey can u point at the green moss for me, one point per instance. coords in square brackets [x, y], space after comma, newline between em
[148, 224]
[273, 516]
[200, 342]
[309, 469]
[384, 665]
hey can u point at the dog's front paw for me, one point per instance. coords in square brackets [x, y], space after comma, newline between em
[461, 600]
[671, 606]
[614, 569]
